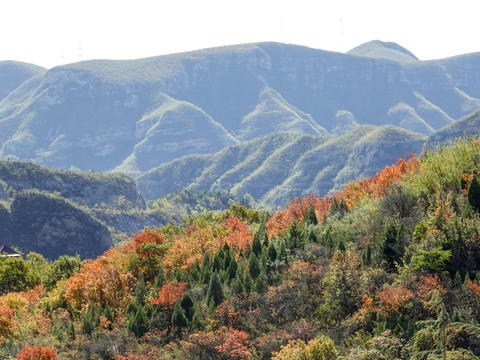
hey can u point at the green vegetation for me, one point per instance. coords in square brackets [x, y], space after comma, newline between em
[278, 167]
[386, 268]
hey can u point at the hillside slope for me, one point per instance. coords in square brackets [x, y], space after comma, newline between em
[280, 166]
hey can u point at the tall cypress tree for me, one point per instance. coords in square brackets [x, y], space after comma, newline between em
[179, 320]
[141, 290]
[474, 194]
[215, 290]
[310, 217]
[232, 269]
[256, 244]
[272, 252]
[187, 306]
[253, 266]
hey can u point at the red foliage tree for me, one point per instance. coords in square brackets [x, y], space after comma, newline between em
[394, 299]
[141, 241]
[36, 353]
[234, 344]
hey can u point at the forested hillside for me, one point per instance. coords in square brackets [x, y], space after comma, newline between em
[385, 268]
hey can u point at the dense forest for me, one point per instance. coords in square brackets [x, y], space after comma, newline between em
[386, 268]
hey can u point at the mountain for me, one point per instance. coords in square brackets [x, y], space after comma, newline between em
[52, 227]
[15, 73]
[468, 125]
[136, 115]
[61, 212]
[280, 166]
[383, 50]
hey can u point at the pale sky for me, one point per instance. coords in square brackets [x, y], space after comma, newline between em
[54, 32]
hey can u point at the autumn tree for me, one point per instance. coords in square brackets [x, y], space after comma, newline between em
[36, 353]
[179, 320]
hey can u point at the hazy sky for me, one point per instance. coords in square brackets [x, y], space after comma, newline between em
[53, 32]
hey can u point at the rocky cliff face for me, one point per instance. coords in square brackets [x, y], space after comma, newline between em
[84, 188]
[52, 227]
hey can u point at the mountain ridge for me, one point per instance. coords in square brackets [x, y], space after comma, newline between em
[138, 115]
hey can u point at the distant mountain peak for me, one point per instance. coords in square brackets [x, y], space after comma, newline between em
[383, 50]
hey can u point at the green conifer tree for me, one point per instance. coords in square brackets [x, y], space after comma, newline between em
[256, 244]
[71, 331]
[237, 286]
[215, 290]
[187, 306]
[179, 320]
[141, 290]
[232, 269]
[253, 266]
[272, 252]
[474, 194]
[310, 217]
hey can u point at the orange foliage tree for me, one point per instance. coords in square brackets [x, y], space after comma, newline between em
[192, 245]
[6, 322]
[353, 192]
[37, 353]
[102, 281]
[169, 294]
[145, 252]
[295, 211]
[394, 299]
[141, 242]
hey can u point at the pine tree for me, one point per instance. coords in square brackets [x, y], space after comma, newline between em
[206, 276]
[187, 306]
[256, 244]
[367, 256]
[141, 290]
[260, 282]
[457, 280]
[198, 321]
[237, 286]
[71, 331]
[272, 252]
[108, 313]
[227, 260]
[310, 217]
[88, 321]
[474, 194]
[253, 266]
[218, 262]
[232, 270]
[160, 279]
[248, 283]
[295, 235]
[139, 323]
[179, 320]
[215, 290]
[282, 254]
